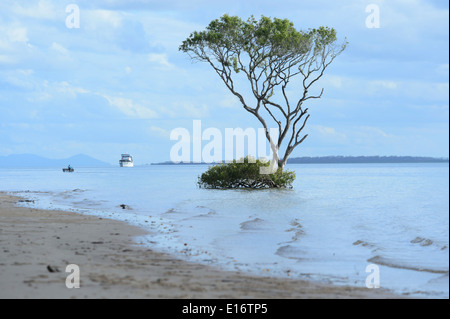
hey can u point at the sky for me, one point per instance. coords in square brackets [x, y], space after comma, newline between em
[117, 83]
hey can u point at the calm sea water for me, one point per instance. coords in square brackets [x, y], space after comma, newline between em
[337, 220]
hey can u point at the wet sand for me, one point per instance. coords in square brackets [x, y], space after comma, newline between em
[37, 245]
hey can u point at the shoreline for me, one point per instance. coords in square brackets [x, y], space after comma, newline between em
[37, 245]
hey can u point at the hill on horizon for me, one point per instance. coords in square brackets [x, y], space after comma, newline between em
[35, 161]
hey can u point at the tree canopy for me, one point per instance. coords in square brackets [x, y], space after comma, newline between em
[269, 53]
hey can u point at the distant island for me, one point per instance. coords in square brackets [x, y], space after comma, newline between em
[345, 160]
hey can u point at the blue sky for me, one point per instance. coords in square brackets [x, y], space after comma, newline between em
[119, 84]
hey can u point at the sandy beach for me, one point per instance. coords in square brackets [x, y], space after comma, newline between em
[37, 245]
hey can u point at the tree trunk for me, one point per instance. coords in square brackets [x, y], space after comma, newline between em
[282, 163]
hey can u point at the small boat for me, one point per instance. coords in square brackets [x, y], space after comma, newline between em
[68, 169]
[126, 161]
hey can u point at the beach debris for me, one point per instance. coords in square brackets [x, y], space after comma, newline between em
[417, 240]
[254, 224]
[26, 201]
[426, 242]
[422, 241]
[363, 244]
[52, 268]
[297, 229]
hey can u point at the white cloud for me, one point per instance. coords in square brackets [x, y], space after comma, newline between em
[18, 34]
[41, 90]
[38, 97]
[66, 88]
[59, 48]
[373, 131]
[128, 107]
[437, 91]
[159, 131]
[382, 84]
[186, 109]
[20, 82]
[6, 59]
[411, 18]
[333, 80]
[342, 87]
[329, 133]
[12, 34]
[26, 72]
[230, 102]
[443, 69]
[167, 31]
[44, 9]
[160, 59]
[99, 19]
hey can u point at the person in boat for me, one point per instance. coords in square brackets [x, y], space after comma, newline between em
[69, 167]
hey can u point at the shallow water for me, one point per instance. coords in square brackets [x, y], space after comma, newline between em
[336, 221]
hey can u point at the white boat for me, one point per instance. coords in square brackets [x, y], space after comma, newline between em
[126, 161]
